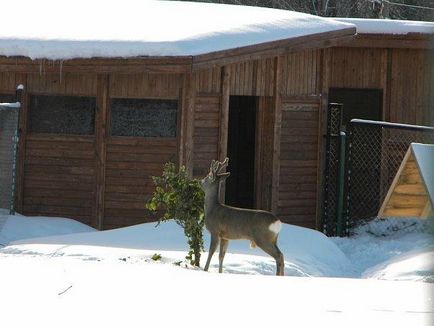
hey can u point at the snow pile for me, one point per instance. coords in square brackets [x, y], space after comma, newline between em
[387, 26]
[392, 249]
[131, 28]
[15, 227]
[307, 252]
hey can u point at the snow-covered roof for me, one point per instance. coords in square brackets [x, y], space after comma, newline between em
[387, 26]
[424, 156]
[130, 28]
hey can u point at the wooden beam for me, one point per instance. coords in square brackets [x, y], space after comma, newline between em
[225, 89]
[97, 65]
[22, 79]
[408, 41]
[187, 122]
[272, 49]
[324, 84]
[276, 133]
[100, 144]
[224, 112]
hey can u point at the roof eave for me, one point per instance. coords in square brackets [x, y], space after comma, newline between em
[275, 48]
[403, 41]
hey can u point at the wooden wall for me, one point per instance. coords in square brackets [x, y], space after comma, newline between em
[105, 180]
[60, 177]
[130, 165]
[206, 133]
[404, 75]
[298, 172]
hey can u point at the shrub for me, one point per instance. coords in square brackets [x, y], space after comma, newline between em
[181, 199]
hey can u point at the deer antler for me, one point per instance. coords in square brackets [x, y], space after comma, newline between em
[216, 168]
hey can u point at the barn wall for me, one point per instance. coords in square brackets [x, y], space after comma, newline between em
[358, 68]
[298, 171]
[206, 133]
[410, 86]
[132, 161]
[73, 166]
[403, 75]
[59, 177]
[62, 174]
[301, 73]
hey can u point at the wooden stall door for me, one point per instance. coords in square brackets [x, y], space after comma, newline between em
[130, 165]
[298, 170]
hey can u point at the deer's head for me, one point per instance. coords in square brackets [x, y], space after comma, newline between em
[215, 175]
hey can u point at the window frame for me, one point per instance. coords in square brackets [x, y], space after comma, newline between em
[78, 137]
[139, 139]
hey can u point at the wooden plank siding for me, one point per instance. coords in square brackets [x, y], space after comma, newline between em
[145, 85]
[130, 165]
[301, 73]
[206, 133]
[60, 177]
[411, 87]
[298, 172]
[69, 167]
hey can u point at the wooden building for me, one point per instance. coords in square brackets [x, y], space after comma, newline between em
[95, 130]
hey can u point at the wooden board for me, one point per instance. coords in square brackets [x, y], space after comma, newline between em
[407, 195]
[206, 133]
[130, 165]
[59, 177]
[298, 168]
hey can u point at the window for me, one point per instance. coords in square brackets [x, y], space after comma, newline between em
[7, 98]
[62, 115]
[144, 117]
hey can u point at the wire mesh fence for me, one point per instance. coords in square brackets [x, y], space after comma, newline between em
[374, 153]
[9, 120]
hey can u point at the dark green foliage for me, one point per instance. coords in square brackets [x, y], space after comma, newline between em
[182, 199]
[156, 257]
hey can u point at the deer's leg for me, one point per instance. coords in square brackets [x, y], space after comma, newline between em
[274, 251]
[212, 249]
[223, 246]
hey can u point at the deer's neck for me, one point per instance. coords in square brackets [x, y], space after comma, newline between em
[211, 201]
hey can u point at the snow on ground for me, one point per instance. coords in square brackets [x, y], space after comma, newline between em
[308, 252]
[109, 277]
[21, 227]
[128, 28]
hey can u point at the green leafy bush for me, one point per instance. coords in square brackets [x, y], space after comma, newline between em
[181, 199]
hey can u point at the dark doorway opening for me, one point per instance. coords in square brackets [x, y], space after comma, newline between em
[366, 151]
[358, 103]
[240, 186]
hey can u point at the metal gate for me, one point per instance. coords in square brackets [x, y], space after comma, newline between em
[331, 169]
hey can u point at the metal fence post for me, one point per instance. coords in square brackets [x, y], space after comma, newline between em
[341, 186]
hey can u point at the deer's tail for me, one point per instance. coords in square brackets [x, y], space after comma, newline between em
[275, 227]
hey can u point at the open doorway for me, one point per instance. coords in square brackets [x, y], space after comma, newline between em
[241, 151]
[358, 103]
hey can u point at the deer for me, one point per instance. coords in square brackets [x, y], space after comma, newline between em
[226, 223]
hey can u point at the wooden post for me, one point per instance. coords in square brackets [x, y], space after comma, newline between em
[22, 79]
[224, 121]
[324, 82]
[276, 134]
[187, 122]
[100, 146]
